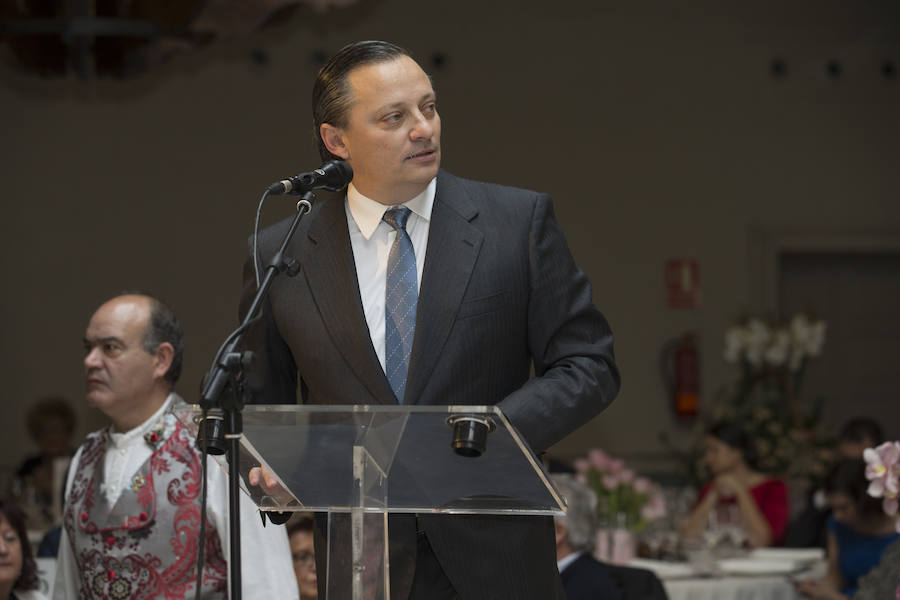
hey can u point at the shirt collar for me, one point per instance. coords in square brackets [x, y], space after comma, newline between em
[121, 440]
[367, 212]
[565, 561]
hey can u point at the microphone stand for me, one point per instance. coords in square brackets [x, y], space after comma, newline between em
[224, 394]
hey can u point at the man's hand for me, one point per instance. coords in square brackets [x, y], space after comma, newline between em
[265, 480]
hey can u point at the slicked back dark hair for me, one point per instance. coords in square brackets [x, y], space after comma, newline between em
[27, 579]
[331, 96]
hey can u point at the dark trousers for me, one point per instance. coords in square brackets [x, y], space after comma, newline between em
[429, 580]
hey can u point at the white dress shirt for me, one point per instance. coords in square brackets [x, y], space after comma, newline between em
[267, 570]
[28, 595]
[371, 239]
[124, 456]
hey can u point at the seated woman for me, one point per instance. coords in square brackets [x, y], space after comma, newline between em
[300, 535]
[40, 478]
[858, 533]
[18, 572]
[760, 501]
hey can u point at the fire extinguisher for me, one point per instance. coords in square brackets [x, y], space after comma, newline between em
[680, 362]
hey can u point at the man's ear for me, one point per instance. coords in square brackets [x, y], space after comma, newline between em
[562, 532]
[333, 137]
[162, 360]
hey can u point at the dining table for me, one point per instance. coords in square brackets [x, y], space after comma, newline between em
[762, 574]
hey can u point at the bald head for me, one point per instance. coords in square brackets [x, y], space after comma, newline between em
[126, 366]
[130, 308]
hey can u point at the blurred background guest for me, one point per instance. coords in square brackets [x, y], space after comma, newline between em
[18, 571]
[40, 478]
[858, 532]
[737, 492]
[583, 577]
[300, 534]
[807, 529]
[858, 434]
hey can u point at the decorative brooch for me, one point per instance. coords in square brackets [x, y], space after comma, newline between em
[155, 434]
[160, 431]
[137, 482]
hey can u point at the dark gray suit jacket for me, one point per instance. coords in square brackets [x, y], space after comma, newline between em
[589, 579]
[500, 294]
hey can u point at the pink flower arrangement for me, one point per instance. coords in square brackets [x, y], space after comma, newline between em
[620, 490]
[883, 473]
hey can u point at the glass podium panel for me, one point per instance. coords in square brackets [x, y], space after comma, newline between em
[361, 463]
[388, 458]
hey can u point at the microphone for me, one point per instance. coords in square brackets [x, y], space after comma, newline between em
[333, 176]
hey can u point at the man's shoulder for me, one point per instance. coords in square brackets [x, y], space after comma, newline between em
[325, 205]
[91, 447]
[448, 182]
[587, 563]
[503, 204]
[587, 577]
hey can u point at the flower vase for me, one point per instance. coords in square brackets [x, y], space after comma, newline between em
[603, 545]
[623, 542]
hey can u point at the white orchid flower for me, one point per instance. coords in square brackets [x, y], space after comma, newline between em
[777, 352]
[758, 335]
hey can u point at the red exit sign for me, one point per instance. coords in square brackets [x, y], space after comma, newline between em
[682, 283]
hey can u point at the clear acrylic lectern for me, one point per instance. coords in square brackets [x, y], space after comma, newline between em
[369, 461]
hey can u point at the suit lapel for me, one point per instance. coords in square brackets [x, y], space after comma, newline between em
[331, 273]
[453, 246]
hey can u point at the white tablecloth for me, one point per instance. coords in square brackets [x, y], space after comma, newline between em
[682, 584]
[731, 588]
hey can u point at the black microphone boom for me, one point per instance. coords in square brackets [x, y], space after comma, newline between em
[333, 176]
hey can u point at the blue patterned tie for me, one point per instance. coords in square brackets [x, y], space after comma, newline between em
[400, 297]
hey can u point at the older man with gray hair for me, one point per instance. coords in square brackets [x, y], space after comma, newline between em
[584, 577]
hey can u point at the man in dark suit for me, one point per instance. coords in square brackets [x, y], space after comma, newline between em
[452, 298]
[583, 577]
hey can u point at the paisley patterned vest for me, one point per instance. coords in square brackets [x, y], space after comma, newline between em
[145, 545]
